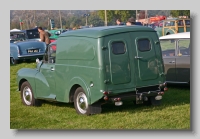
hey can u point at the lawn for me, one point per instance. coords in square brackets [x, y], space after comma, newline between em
[173, 113]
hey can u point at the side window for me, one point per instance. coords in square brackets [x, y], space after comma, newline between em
[172, 23]
[184, 47]
[168, 47]
[118, 48]
[180, 22]
[187, 22]
[144, 45]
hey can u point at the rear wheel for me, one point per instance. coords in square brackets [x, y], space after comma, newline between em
[168, 33]
[13, 61]
[27, 95]
[81, 102]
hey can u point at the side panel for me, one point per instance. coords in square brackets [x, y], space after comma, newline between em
[170, 68]
[183, 68]
[78, 62]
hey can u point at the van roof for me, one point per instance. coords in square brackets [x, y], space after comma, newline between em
[96, 32]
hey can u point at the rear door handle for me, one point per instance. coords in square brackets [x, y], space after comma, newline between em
[137, 57]
[172, 62]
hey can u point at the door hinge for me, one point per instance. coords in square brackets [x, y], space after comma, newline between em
[161, 74]
[106, 81]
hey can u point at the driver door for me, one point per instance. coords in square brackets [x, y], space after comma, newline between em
[45, 87]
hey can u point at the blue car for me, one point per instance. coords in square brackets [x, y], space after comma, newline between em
[23, 48]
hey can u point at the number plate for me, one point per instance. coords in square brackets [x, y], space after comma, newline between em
[32, 50]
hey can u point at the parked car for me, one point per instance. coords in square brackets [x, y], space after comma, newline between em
[22, 48]
[55, 34]
[32, 34]
[176, 56]
[93, 66]
[173, 26]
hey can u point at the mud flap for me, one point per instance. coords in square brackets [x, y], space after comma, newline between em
[154, 101]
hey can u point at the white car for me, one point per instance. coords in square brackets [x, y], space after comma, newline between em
[176, 56]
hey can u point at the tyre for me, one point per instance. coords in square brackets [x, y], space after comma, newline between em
[81, 102]
[13, 61]
[27, 95]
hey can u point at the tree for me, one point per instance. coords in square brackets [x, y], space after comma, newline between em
[176, 13]
[112, 15]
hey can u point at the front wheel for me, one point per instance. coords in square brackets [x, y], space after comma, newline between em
[27, 95]
[81, 102]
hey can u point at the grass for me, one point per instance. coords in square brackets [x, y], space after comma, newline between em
[173, 113]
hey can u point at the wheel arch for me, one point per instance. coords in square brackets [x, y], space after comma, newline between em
[74, 84]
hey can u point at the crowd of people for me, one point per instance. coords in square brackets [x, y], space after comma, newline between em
[44, 36]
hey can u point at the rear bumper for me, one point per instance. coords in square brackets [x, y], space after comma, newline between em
[30, 56]
[134, 95]
[142, 94]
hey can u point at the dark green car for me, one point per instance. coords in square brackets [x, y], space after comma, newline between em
[93, 66]
[55, 33]
[173, 26]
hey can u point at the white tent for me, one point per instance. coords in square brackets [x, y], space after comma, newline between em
[15, 30]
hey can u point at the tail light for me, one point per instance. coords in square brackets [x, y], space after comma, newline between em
[105, 93]
[105, 98]
[165, 89]
[53, 47]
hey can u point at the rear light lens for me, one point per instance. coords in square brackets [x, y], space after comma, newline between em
[53, 47]
[105, 98]
[165, 89]
[105, 93]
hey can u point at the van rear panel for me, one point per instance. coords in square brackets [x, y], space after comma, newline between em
[133, 60]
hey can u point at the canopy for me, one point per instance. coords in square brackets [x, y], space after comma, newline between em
[15, 30]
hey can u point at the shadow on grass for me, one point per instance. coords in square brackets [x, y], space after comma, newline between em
[58, 104]
[175, 96]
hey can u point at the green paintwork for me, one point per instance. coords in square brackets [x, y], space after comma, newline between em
[55, 33]
[84, 57]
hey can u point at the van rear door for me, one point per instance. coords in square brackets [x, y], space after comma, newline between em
[117, 62]
[148, 58]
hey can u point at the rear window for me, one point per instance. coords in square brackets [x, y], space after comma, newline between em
[118, 48]
[144, 45]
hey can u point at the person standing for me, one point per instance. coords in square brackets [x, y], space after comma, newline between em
[131, 21]
[44, 36]
[119, 22]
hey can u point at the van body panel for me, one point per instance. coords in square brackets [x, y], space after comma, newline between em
[110, 64]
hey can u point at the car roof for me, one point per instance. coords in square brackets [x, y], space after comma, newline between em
[182, 35]
[96, 32]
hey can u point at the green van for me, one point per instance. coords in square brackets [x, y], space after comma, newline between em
[93, 66]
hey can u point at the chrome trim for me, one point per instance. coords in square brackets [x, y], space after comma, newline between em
[41, 54]
[177, 82]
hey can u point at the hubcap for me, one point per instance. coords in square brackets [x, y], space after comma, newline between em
[82, 104]
[27, 95]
